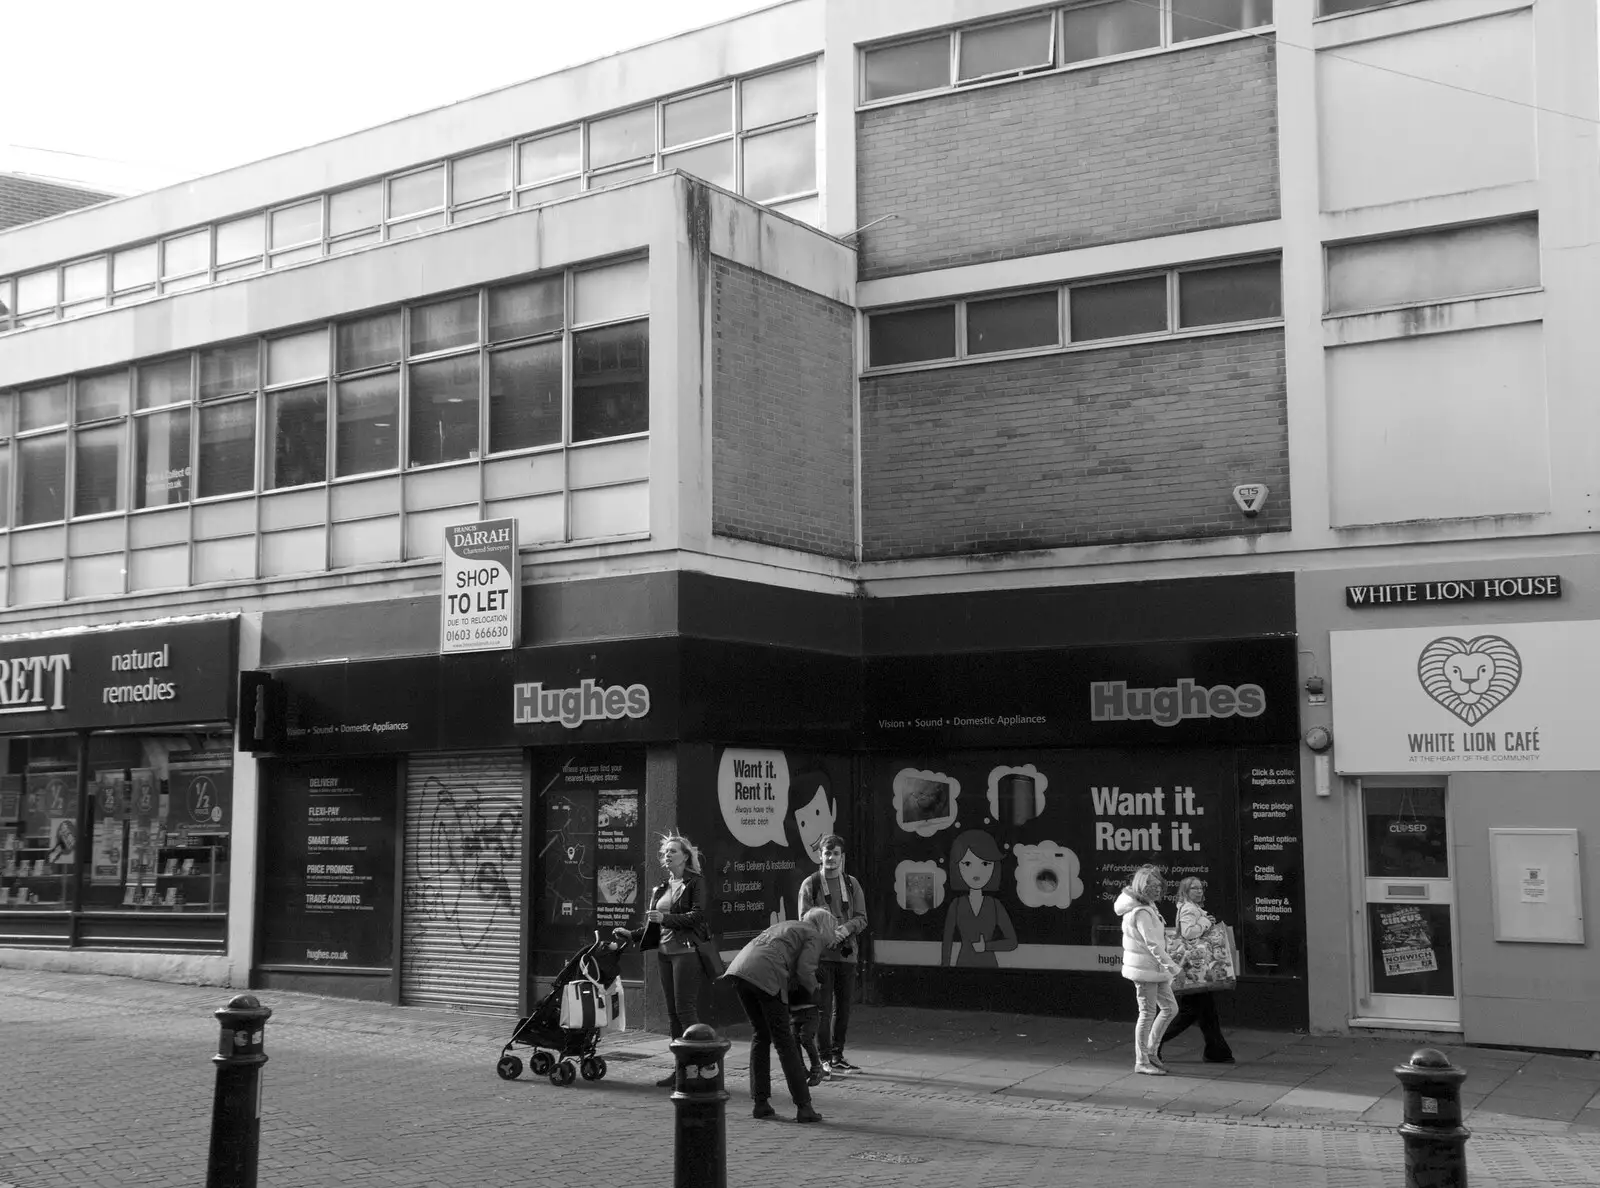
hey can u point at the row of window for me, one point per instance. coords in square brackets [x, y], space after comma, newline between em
[756, 136]
[1048, 40]
[539, 363]
[1087, 311]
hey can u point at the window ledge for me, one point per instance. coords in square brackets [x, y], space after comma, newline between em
[1434, 317]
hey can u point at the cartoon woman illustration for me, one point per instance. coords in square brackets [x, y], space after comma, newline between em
[977, 925]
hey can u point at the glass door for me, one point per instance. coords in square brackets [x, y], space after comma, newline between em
[1408, 905]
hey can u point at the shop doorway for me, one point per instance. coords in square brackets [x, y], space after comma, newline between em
[1406, 905]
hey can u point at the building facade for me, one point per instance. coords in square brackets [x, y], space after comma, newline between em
[997, 433]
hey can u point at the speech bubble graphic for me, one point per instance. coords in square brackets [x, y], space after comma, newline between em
[753, 789]
[919, 886]
[1047, 875]
[925, 801]
[814, 819]
[1016, 794]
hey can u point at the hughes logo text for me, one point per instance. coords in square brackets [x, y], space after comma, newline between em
[589, 702]
[1114, 701]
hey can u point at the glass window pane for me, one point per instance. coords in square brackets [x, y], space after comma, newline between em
[161, 459]
[298, 357]
[1117, 28]
[367, 436]
[416, 192]
[355, 241]
[444, 325]
[228, 369]
[185, 254]
[40, 407]
[97, 460]
[550, 156]
[297, 224]
[1118, 308]
[299, 255]
[242, 239]
[484, 210]
[84, 280]
[1334, 7]
[533, 307]
[355, 209]
[227, 448]
[1434, 265]
[1012, 323]
[166, 382]
[134, 267]
[714, 162]
[615, 291]
[912, 335]
[7, 302]
[480, 175]
[7, 412]
[196, 281]
[905, 69]
[622, 137]
[781, 95]
[1242, 293]
[542, 194]
[777, 164]
[369, 342]
[5, 484]
[1003, 49]
[297, 427]
[42, 479]
[525, 397]
[599, 181]
[36, 291]
[698, 117]
[1211, 18]
[416, 226]
[101, 396]
[444, 410]
[1406, 837]
[806, 210]
[611, 381]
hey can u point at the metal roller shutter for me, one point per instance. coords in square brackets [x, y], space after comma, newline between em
[462, 921]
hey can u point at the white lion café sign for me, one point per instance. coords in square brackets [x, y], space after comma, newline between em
[478, 598]
[1492, 697]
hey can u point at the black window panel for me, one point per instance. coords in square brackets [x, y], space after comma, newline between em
[1118, 308]
[1241, 293]
[369, 342]
[518, 311]
[227, 448]
[525, 397]
[905, 69]
[443, 403]
[1013, 323]
[611, 381]
[912, 335]
[42, 479]
[297, 426]
[367, 433]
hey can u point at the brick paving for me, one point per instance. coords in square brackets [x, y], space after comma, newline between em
[108, 1081]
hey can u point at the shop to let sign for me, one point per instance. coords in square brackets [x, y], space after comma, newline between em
[478, 598]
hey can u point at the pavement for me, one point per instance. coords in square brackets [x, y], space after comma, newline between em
[108, 1081]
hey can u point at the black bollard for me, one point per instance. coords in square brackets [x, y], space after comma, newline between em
[1436, 1142]
[236, 1106]
[700, 1142]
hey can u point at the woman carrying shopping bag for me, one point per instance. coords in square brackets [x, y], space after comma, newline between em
[1146, 964]
[1199, 1006]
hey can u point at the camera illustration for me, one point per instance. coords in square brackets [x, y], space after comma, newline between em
[1047, 875]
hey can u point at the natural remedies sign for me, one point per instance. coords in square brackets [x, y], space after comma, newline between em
[478, 598]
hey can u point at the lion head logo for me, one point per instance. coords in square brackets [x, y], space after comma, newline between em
[1470, 677]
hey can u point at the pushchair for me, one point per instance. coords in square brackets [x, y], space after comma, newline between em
[563, 1053]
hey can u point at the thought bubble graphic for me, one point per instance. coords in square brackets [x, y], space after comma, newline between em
[814, 820]
[753, 789]
[1016, 794]
[919, 886]
[924, 801]
[1047, 875]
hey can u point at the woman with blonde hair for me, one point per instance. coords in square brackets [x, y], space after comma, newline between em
[675, 918]
[1147, 965]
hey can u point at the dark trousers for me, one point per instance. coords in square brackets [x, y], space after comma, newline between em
[804, 1020]
[680, 982]
[770, 1028]
[836, 986]
[1201, 1009]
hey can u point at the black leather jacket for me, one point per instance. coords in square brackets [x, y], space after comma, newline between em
[688, 916]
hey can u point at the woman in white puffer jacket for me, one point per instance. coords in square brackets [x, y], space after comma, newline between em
[1146, 964]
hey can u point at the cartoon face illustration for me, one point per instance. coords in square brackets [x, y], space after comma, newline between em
[1469, 675]
[814, 821]
[975, 871]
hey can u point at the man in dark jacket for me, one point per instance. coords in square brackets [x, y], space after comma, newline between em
[761, 973]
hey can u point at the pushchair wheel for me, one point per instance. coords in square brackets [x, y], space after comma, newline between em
[563, 1074]
[593, 1068]
[542, 1063]
[509, 1068]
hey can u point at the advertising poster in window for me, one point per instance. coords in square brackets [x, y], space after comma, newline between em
[1271, 872]
[51, 816]
[110, 810]
[758, 837]
[591, 867]
[143, 835]
[1014, 859]
[1411, 950]
[199, 801]
[329, 863]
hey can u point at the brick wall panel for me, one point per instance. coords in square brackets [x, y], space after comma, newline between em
[1125, 150]
[1136, 443]
[783, 368]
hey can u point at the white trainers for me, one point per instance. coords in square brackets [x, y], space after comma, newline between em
[836, 1070]
[1149, 1070]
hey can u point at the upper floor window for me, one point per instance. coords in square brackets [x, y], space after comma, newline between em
[1440, 264]
[1046, 40]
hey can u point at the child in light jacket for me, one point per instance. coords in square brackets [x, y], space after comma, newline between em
[1146, 963]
